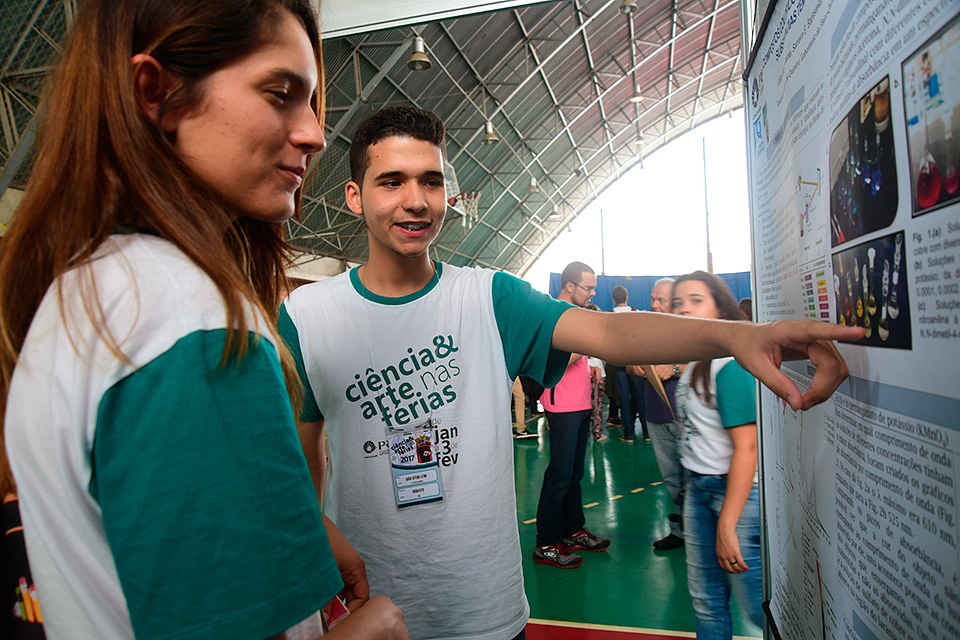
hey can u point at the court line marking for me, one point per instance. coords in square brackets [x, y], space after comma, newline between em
[595, 504]
[607, 627]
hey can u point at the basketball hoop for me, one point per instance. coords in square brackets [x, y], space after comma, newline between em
[469, 204]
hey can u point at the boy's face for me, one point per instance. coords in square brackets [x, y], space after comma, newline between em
[402, 198]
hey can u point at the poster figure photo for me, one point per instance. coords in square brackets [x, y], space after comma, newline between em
[863, 168]
[931, 97]
[870, 291]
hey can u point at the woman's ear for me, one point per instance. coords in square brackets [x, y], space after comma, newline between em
[151, 83]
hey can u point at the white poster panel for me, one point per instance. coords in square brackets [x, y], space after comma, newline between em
[854, 112]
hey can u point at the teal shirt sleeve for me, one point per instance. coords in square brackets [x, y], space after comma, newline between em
[736, 396]
[288, 333]
[526, 319]
[207, 503]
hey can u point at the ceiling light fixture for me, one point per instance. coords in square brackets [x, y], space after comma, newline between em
[628, 6]
[533, 187]
[418, 59]
[489, 137]
[554, 213]
[636, 97]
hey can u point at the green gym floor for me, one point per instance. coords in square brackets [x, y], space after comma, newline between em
[629, 591]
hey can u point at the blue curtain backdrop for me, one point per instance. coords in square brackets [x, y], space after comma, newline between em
[639, 288]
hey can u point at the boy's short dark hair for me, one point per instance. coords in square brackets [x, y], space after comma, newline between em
[404, 122]
[620, 294]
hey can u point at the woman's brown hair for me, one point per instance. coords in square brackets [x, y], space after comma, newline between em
[101, 164]
[727, 309]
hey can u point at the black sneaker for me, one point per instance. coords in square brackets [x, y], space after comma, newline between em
[585, 540]
[614, 423]
[524, 435]
[556, 555]
[628, 439]
[672, 541]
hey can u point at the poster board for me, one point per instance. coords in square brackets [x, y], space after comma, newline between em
[853, 114]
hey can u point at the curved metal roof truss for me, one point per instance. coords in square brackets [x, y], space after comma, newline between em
[555, 79]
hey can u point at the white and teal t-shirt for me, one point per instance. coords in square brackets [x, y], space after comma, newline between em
[449, 353]
[706, 447]
[166, 496]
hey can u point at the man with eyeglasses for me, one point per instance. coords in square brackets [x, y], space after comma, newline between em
[560, 519]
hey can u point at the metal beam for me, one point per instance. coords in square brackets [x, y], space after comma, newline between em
[361, 99]
[15, 49]
[664, 139]
[706, 50]
[730, 4]
[559, 48]
[557, 192]
[19, 154]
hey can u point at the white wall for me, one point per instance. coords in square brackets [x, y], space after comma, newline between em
[346, 17]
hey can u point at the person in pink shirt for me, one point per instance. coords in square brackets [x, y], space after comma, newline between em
[560, 519]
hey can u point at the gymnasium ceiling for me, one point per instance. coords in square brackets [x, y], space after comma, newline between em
[554, 79]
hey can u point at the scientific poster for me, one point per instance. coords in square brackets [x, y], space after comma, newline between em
[854, 112]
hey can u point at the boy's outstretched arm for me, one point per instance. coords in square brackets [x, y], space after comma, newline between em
[658, 338]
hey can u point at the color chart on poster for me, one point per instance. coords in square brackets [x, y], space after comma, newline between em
[854, 149]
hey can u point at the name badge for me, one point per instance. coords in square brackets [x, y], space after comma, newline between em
[415, 467]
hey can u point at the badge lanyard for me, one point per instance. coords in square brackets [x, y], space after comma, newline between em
[415, 468]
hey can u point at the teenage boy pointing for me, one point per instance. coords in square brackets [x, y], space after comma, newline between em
[408, 365]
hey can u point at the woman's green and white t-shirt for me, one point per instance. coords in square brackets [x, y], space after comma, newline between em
[165, 495]
[447, 354]
[706, 447]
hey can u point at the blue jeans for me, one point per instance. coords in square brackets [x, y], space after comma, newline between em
[633, 403]
[665, 437]
[560, 512]
[710, 586]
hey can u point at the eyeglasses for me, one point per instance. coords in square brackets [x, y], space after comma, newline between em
[587, 289]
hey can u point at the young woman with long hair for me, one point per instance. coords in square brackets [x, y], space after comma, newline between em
[146, 395]
[716, 403]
